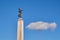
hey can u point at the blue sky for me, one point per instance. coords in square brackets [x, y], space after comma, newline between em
[33, 10]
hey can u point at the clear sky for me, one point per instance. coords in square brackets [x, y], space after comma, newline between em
[33, 10]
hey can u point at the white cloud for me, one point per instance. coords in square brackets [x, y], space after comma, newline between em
[41, 25]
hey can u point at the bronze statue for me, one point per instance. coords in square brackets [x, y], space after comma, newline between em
[20, 13]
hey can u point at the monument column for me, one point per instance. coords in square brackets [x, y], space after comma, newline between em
[20, 28]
